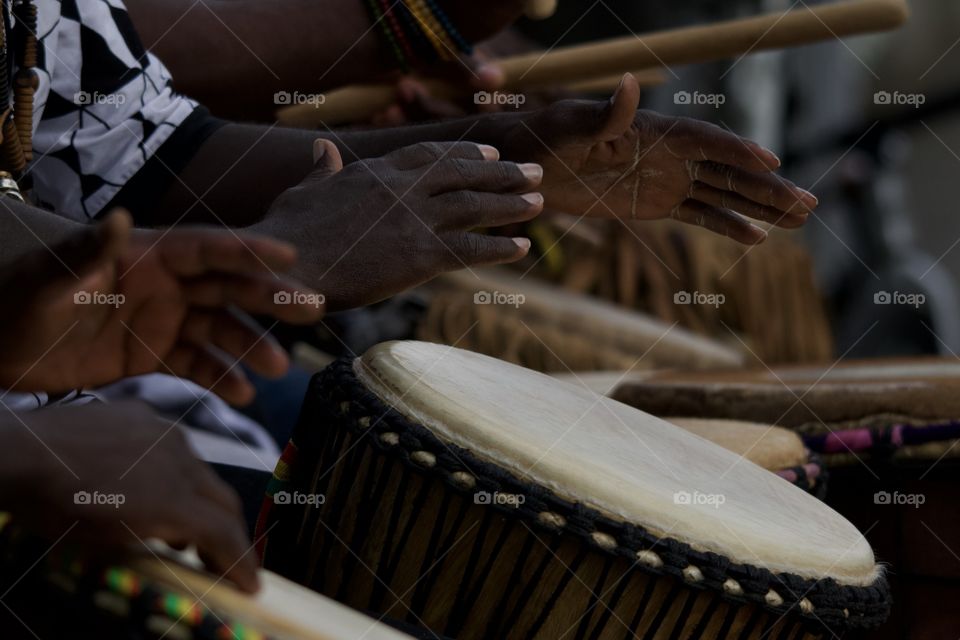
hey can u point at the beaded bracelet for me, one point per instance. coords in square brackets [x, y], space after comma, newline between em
[430, 26]
[398, 32]
[417, 31]
[461, 43]
[378, 18]
[422, 45]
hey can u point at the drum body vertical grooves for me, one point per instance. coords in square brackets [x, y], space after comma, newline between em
[485, 575]
[404, 542]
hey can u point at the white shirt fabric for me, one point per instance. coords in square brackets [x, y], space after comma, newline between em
[103, 107]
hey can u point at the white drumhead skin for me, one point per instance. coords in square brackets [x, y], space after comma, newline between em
[617, 459]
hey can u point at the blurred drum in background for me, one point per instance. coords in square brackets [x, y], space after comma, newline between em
[764, 300]
[888, 430]
[776, 449]
[528, 322]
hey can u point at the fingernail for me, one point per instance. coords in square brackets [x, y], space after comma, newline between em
[533, 198]
[763, 234]
[523, 243]
[809, 197]
[489, 153]
[616, 93]
[319, 150]
[532, 171]
[776, 158]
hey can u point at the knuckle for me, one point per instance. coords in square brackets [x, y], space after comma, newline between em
[430, 149]
[458, 170]
[359, 169]
[467, 202]
[393, 182]
[471, 246]
[508, 173]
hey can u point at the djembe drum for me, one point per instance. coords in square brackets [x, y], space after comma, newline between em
[479, 499]
[887, 430]
[59, 593]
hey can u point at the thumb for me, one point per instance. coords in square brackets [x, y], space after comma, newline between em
[326, 158]
[621, 111]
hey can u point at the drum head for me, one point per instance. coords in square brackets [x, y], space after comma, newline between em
[773, 448]
[624, 463]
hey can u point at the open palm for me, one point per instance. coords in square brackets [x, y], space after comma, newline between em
[611, 160]
[112, 303]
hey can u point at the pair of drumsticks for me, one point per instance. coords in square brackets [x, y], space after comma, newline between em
[598, 64]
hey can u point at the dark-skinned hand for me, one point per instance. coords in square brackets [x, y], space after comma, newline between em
[607, 159]
[114, 475]
[394, 222]
[111, 303]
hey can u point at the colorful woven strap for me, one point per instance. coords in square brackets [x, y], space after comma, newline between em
[280, 481]
[881, 439]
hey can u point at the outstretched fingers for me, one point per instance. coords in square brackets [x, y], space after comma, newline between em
[767, 189]
[722, 221]
[703, 141]
[475, 249]
[735, 202]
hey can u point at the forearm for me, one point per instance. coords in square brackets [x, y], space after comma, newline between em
[241, 169]
[25, 228]
[258, 48]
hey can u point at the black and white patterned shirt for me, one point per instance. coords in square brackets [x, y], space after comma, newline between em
[103, 107]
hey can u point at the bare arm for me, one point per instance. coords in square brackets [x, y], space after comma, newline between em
[25, 228]
[235, 54]
[241, 169]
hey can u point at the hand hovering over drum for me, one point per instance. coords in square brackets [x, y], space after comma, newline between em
[610, 160]
[383, 225]
[111, 303]
[115, 475]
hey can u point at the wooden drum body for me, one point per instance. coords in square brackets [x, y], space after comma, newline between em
[478, 499]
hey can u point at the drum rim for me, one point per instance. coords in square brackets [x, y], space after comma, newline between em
[351, 405]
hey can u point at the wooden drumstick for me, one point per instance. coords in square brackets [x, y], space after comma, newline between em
[687, 45]
[540, 9]
[607, 84]
[342, 105]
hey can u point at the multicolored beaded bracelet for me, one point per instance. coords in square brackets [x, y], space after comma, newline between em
[430, 26]
[417, 31]
[379, 19]
[388, 10]
[461, 43]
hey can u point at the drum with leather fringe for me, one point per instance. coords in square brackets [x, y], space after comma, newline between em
[763, 300]
[542, 327]
[484, 500]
